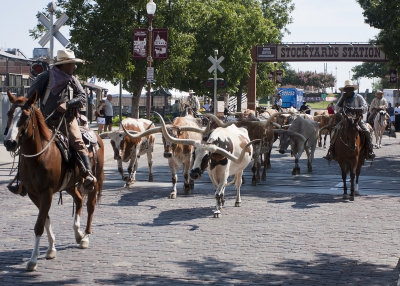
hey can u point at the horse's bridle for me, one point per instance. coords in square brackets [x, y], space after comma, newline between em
[24, 128]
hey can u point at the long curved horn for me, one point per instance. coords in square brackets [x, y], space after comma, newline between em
[218, 121]
[137, 135]
[191, 129]
[104, 135]
[291, 133]
[215, 149]
[269, 120]
[172, 139]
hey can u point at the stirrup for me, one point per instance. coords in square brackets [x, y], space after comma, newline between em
[328, 157]
[371, 156]
[13, 189]
[89, 182]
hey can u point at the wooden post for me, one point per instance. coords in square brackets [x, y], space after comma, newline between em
[252, 82]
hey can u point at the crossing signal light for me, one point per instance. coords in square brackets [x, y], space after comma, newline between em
[221, 83]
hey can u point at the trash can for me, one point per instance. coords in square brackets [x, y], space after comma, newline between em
[397, 122]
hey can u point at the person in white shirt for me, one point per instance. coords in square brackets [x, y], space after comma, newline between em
[108, 113]
[193, 101]
[378, 103]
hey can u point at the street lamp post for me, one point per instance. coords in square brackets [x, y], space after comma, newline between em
[151, 9]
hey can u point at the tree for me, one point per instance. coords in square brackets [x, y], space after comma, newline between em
[101, 33]
[384, 15]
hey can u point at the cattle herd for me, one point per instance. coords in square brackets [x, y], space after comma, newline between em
[223, 147]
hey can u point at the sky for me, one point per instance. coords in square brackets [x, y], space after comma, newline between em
[330, 21]
[313, 21]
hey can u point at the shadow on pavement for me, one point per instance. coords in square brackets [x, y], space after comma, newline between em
[326, 269]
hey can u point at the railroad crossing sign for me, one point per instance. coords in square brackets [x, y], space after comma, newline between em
[216, 64]
[56, 33]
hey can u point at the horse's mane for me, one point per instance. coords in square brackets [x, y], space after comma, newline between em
[42, 126]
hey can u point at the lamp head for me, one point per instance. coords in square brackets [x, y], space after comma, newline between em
[151, 7]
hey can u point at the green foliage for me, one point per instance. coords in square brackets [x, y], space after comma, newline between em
[115, 121]
[101, 33]
[384, 15]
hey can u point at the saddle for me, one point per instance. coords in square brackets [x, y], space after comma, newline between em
[88, 136]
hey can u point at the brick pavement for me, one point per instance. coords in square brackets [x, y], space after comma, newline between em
[288, 231]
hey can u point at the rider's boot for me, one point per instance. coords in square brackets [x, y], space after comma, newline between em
[17, 188]
[331, 153]
[89, 178]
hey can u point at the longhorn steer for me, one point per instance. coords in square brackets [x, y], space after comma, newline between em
[256, 130]
[129, 149]
[181, 155]
[226, 152]
[302, 134]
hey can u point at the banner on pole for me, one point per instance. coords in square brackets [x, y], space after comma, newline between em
[160, 44]
[139, 44]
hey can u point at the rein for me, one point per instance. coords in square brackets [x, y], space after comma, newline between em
[49, 143]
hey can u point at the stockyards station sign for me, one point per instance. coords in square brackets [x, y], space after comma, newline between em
[320, 52]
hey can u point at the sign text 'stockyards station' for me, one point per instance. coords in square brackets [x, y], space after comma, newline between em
[320, 52]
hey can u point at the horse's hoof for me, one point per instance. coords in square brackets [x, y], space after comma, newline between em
[217, 214]
[31, 266]
[51, 253]
[237, 204]
[356, 193]
[84, 242]
[345, 197]
[351, 198]
[78, 236]
[253, 182]
[172, 196]
[150, 179]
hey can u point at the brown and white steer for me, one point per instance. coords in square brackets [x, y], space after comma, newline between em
[129, 149]
[227, 151]
[256, 130]
[179, 154]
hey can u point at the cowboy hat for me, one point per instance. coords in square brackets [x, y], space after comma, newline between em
[191, 91]
[378, 92]
[348, 83]
[66, 57]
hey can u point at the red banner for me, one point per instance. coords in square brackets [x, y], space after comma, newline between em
[139, 43]
[160, 44]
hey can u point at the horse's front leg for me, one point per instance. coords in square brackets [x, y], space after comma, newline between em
[77, 216]
[344, 185]
[44, 206]
[352, 176]
[51, 251]
[91, 204]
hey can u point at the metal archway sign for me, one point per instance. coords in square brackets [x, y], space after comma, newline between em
[310, 52]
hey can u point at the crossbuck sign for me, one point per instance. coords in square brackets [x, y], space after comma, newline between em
[216, 64]
[56, 33]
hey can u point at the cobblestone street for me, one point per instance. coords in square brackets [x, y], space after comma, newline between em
[288, 230]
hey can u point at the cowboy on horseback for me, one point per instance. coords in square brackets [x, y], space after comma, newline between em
[378, 103]
[351, 101]
[61, 96]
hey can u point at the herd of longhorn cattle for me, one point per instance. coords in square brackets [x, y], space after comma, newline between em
[223, 148]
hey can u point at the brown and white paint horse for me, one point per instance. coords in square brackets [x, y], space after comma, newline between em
[43, 172]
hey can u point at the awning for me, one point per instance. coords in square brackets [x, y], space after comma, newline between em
[14, 57]
[93, 86]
